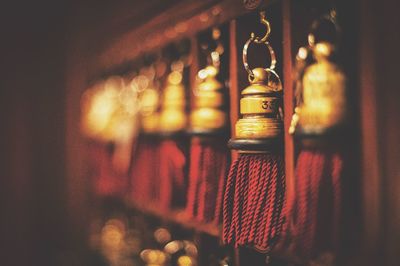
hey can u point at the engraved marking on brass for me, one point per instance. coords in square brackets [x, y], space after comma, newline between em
[258, 105]
[267, 105]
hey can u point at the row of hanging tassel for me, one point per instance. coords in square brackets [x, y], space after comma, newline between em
[249, 199]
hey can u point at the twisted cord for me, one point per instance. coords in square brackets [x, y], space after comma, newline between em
[221, 186]
[238, 198]
[228, 199]
[337, 169]
[317, 175]
[204, 186]
[263, 184]
[277, 218]
[195, 162]
[255, 173]
[172, 163]
[302, 184]
[315, 170]
[258, 196]
[264, 210]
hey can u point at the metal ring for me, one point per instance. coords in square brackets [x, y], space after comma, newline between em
[271, 52]
[276, 76]
[331, 17]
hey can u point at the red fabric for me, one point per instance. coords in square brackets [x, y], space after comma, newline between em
[208, 159]
[171, 181]
[253, 201]
[144, 170]
[313, 212]
[106, 181]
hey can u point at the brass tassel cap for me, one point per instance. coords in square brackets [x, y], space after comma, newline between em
[173, 118]
[321, 109]
[260, 128]
[149, 115]
[208, 116]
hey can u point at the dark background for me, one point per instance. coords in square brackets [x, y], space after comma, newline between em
[34, 226]
[43, 200]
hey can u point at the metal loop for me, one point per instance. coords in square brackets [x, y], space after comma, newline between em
[271, 52]
[278, 79]
[331, 17]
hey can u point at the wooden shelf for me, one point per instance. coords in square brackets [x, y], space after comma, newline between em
[178, 217]
[178, 22]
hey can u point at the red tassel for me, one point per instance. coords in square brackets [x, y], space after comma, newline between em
[206, 179]
[106, 181]
[313, 212]
[171, 181]
[143, 172]
[253, 201]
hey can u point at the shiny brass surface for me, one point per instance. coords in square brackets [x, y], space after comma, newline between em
[323, 84]
[208, 118]
[173, 117]
[208, 113]
[150, 102]
[210, 99]
[259, 107]
[109, 111]
[258, 127]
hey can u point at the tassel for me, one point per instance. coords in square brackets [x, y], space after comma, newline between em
[255, 189]
[171, 181]
[314, 210]
[108, 119]
[209, 127]
[144, 171]
[253, 201]
[314, 213]
[208, 167]
[107, 183]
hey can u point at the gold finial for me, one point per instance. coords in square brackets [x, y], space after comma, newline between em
[173, 116]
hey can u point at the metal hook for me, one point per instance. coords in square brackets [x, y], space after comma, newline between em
[264, 21]
[331, 18]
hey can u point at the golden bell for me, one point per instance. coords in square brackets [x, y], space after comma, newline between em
[173, 116]
[209, 101]
[150, 101]
[259, 107]
[323, 93]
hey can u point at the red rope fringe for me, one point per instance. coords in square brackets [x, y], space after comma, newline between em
[313, 212]
[144, 170]
[253, 199]
[171, 181]
[106, 181]
[208, 160]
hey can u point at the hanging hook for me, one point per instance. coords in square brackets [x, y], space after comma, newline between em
[330, 18]
[264, 21]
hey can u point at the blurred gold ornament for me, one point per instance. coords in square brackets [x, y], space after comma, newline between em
[209, 101]
[323, 93]
[173, 115]
[109, 111]
[150, 102]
